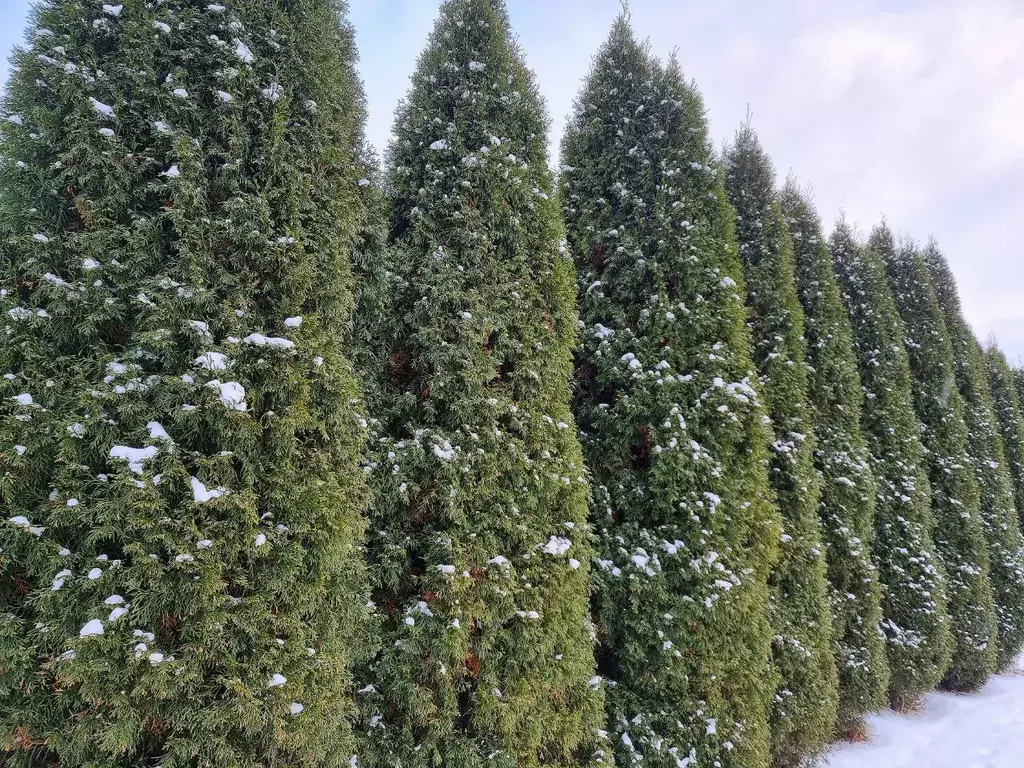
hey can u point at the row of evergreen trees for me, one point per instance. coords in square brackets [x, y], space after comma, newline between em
[305, 466]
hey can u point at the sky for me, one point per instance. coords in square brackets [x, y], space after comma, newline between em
[908, 109]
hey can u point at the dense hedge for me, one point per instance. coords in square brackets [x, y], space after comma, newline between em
[847, 506]
[987, 456]
[956, 498]
[307, 460]
[915, 622]
[806, 700]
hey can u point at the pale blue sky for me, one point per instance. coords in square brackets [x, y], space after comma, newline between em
[908, 108]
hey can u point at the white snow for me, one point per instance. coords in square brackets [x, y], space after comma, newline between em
[439, 145]
[202, 494]
[259, 340]
[113, 10]
[982, 730]
[157, 432]
[293, 322]
[276, 680]
[212, 361]
[103, 109]
[557, 545]
[134, 456]
[94, 627]
[232, 394]
[444, 452]
[243, 53]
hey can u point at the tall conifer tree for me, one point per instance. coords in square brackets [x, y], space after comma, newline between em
[1018, 381]
[956, 500]
[1010, 419]
[179, 436]
[985, 452]
[847, 507]
[915, 621]
[674, 434]
[479, 542]
[804, 716]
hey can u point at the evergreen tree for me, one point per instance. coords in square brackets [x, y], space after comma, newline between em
[376, 285]
[847, 506]
[985, 452]
[956, 499]
[915, 621]
[1010, 419]
[1018, 381]
[806, 702]
[674, 435]
[179, 441]
[479, 543]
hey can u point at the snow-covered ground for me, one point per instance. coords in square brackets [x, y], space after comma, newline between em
[982, 730]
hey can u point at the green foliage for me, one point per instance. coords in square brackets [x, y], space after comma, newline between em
[1018, 381]
[847, 506]
[806, 701]
[376, 287]
[915, 622]
[985, 453]
[1010, 419]
[673, 431]
[180, 579]
[956, 500]
[479, 544]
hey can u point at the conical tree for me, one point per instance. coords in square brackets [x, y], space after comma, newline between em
[915, 622]
[673, 431]
[806, 702]
[956, 499]
[480, 544]
[179, 437]
[377, 283]
[847, 506]
[985, 453]
[1010, 419]
[1018, 381]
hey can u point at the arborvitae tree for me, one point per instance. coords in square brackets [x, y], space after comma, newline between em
[985, 452]
[179, 436]
[674, 434]
[1010, 419]
[376, 286]
[479, 543]
[915, 622]
[956, 502]
[804, 715]
[847, 507]
[1018, 381]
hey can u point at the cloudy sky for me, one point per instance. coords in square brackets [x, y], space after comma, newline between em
[911, 109]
